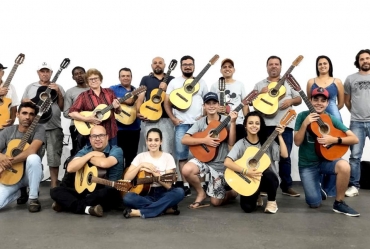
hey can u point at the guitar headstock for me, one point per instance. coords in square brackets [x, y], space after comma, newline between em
[20, 58]
[221, 84]
[298, 60]
[250, 97]
[288, 117]
[170, 177]
[123, 185]
[214, 59]
[65, 63]
[293, 83]
[139, 90]
[172, 65]
[45, 106]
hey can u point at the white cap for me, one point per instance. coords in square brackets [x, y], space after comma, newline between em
[45, 65]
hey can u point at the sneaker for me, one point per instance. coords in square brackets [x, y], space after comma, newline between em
[56, 207]
[187, 191]
[24, 196]
[34, 205]
[291, 192]
[352, 191]
[271, 207]
[259, 201]
[263, 194]
[342, 208]
[96, 211]
[324, 195]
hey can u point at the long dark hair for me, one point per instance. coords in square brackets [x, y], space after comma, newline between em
[155, 130]
[330, 65]
[262, 132]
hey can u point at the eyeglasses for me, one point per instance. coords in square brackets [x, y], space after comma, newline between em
[100, 136]
[187, 65]
[93, 79]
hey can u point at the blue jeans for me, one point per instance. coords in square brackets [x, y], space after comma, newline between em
[156, 202]
[181, 150]
[311, 176]
[32, 177]
[361, 130]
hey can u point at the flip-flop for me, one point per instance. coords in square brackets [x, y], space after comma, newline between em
[199, 203]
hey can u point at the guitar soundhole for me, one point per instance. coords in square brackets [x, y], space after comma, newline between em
[99, 115]
[274, 92]
[324, 129]
[156, 99]
[253, 163]
[189, 88]
[16, 152]
[89, 177]
[44, 96]
[213, 134]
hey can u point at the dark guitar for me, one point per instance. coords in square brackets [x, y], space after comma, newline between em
[141, 183]
[324, 126]
[4, 101]
[216, 129]
[44, 92]
[152, 109]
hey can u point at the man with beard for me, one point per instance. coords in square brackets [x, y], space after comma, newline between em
[356, 99]
[183, 120]
[78, 75]
[154, 81]
[290, 99]
[130, 132]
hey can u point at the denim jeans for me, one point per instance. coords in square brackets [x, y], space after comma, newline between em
[361, 130]
[181, 150]
[311, 176]
[156, 202]
[32, 177]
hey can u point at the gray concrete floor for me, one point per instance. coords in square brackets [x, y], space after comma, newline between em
[293, 226]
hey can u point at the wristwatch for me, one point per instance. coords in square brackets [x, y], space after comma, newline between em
[339, 140]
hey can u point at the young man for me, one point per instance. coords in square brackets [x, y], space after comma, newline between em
[290, 99]
[128, 136]
[356, 99]
[11, 94]
[78, 75]
[154, 81]
[192, 169]
[183, 120]
[54, 131]
[99, 154]
[311, 166]
[234, 94]
[31, 156]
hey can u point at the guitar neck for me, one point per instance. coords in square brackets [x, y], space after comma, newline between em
[266, 145]
[222, 98]
[10, 76]
[310, 106]
[102, 181]
[282, 80]
[160, 90]
[200, 75]
[29, 132]
[147, 180]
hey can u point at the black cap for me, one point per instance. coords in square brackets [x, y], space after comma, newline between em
[2, 67]
[210, 96]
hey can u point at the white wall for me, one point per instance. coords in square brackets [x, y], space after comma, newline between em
[109, 35]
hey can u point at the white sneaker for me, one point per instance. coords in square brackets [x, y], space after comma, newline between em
[271, 207]
[352, 191]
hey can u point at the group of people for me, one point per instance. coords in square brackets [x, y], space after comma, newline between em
[113, 146]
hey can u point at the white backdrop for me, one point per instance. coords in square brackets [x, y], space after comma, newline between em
[109, 35]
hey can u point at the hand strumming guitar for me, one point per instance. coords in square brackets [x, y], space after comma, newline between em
[286, 104]
[210, 141]
[253, 174]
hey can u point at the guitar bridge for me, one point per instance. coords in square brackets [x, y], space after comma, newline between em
[127, 114]
[151, 108]
[266, 102]
[243, 177]
[205, 148]
[182, 97]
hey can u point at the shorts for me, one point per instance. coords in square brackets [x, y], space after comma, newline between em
[54, 146]
[181, 150]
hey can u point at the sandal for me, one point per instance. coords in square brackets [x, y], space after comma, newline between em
[198, 204]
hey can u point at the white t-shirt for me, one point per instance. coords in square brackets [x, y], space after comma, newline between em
[162, 164]
[12, 94]
[195, 110]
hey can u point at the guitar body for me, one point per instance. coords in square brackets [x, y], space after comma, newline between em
[82, 181]
[128, 114]
[236, 181]
[205, 153]
[141, 189]
[42, 95]
[182, 97]
[335, 151]
[84, 127]
[152, 108]
[268, 103]
[4, 111]
[10, 178]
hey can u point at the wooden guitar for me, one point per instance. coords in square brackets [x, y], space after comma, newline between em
[4, 101]
[142, 182]
[254, 158]
[128, 114]
[102, 112]
[216, 129]
[182, 97]
[44, 92]
[16, 146]
[268, 103]
[323, 126]
[221, 89]
[152, 109]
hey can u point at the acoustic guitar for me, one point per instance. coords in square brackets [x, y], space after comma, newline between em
[268, 103]
[182, 97]
[102, 112]
[152, 109]
[44, 92]
[16, 146]
[323, 126]
[254, 158]
[216, 129]
[4, 101]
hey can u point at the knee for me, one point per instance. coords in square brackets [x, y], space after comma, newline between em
[343, 167]
[216, 202]
[129, 199]
[55, 192]
[248, 208]
[33, 160]
[188, 169]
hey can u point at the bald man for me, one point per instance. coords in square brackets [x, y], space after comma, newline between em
[152, 81]
[99, 154]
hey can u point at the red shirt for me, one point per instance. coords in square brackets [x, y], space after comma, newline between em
[88, 100]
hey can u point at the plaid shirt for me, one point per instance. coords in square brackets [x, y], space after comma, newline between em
[88, 100]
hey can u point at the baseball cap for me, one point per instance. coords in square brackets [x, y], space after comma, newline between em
[45, 65]
[227, 60]
[210, 96]
[2, 67]
[320, 91]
